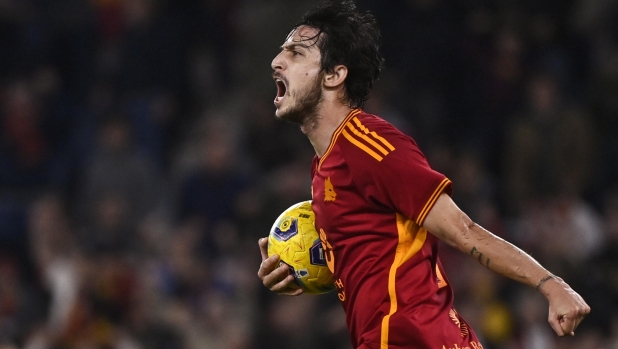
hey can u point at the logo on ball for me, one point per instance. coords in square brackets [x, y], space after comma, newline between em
[316, 255]
[287, 228]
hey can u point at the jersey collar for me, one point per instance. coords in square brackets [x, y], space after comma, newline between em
[337, 132]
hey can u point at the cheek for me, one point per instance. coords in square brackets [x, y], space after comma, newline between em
[306, 79]
[313, 72]
[311, 75]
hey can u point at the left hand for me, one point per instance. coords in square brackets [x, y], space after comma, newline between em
[566, 308]
[276, 277]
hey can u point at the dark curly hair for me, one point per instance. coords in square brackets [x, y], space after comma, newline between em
[350, 38]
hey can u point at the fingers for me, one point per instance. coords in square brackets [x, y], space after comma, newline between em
[280, 281]
[277, 278]
[569, 322]
[267, 266]
[566, 324]
[287, 287]
[554, 322]
[566, 308]
[263, 243]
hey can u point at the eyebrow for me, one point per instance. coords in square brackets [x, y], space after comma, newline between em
[294, 46]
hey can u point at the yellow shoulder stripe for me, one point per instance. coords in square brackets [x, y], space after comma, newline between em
[367, 139]
[361, 145]
[373, 145]
[375, 135]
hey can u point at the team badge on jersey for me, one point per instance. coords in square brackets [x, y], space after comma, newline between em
[329, 191]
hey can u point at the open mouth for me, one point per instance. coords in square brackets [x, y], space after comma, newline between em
[281, 89]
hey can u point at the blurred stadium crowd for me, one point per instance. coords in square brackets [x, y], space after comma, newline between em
[140, 161]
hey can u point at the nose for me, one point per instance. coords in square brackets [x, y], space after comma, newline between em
[278, 62]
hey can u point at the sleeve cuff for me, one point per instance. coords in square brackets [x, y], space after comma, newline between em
[446, 183]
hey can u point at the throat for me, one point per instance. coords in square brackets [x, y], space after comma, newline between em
[319, 147]
[322, 133]
[312, 130]
[309, 127]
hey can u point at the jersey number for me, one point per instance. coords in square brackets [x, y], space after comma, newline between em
[328, 251]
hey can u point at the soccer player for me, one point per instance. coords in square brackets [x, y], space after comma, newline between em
[380, 209]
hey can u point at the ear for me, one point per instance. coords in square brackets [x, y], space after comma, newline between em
[337, 77]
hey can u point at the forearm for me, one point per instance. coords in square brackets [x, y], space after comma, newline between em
[454, 227]
[501, 257]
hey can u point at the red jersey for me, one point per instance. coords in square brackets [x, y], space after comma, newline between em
[372, 189]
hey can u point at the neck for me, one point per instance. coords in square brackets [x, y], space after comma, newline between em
[330, 116]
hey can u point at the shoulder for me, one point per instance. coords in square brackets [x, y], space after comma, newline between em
[369, 122]
[388, 167]
[369, 141]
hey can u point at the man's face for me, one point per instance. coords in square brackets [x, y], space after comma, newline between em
[298, 78]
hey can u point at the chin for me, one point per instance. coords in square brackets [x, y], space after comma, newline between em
[280, 113]
[292, 115]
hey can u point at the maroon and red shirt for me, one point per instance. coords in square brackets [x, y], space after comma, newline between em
[372, 190]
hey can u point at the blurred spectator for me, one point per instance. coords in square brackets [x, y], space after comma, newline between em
[118, 172]
[571, 228]
[476, 191]
[152, 118]
[603, 275]
[55, 250]
[550, 149]
[214, 177]
[20, 302]
[534, 333]
[271, 143]
[25, 150]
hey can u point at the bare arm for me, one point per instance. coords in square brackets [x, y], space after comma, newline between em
[450, 224]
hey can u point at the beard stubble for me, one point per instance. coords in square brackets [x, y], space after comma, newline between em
[305, 111]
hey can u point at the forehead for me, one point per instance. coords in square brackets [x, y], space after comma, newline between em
[304, 35]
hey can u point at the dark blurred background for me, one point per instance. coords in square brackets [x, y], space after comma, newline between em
[140, 161]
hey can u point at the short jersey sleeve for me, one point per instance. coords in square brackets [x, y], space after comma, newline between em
[399, 177]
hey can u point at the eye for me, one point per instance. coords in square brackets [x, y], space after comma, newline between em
[296, 53]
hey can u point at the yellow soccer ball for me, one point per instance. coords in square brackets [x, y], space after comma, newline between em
[294, 238]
